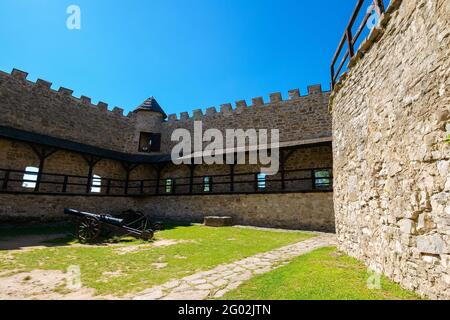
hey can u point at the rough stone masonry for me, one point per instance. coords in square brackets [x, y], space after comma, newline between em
[391, 159]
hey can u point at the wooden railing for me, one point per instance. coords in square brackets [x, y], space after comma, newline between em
[351, 39]
[25, 182]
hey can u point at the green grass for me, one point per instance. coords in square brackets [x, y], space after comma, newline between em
[200, 249]
[324, 274]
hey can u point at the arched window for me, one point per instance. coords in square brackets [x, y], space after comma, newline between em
[30, 177]
[96, 186]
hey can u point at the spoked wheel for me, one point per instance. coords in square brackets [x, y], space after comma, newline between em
[88, 230]
[147, 235]
[158, 226]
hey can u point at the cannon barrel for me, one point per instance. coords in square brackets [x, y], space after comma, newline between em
[100, 217]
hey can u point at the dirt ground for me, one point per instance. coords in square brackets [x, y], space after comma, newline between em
[52, 284]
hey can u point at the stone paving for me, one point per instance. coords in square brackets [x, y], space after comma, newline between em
[218, 281]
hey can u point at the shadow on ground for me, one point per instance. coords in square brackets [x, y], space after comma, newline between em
[57, 235]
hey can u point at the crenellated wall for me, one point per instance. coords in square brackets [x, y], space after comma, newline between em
[391, 116]
[297, 117]
[36, 107]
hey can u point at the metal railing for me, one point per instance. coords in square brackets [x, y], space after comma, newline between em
[304, 180]
[351, 39]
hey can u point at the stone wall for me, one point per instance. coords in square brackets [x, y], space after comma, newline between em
[305, 211]
[391, 161]
[297, 118]
[35, 107]
[39, 208]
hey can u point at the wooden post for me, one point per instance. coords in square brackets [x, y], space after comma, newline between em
[313, 179]
[284, 158]
[128, 168]
[5, 180]
[283, 169]
[173, 186]
[232, 177]
[158, 179]
[42, 153]
[64, 188]
[91, 161]
[191, 178]
[108, 186]
[89, 178]
[127, 181]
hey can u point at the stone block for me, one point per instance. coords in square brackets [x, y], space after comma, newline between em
[294, 94]
[216, 221]
[407, 226]
[276, 97]
[433, 244]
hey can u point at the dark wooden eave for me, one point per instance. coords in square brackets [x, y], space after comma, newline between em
[63, 144]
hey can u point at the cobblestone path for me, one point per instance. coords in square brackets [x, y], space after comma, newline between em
[218, 281]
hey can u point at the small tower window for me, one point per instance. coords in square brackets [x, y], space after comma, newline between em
[150, 142]
[30, 177]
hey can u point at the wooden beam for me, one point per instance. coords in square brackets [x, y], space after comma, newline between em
[232, 166]
[91, 161]
[191, 177]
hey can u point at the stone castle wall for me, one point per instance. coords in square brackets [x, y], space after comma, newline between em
[391, 161]
[297, 118]
[305, 211]
[40, 208]
[35, 107]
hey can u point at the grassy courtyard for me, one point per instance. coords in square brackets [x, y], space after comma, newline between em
[123, 267]
[324, 274]
[129, 266]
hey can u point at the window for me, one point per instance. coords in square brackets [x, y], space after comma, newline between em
[150, 142]
[30, 177]
[206, 184]
[261, 181]
[96, 186]
[169, 185]
[322, 179]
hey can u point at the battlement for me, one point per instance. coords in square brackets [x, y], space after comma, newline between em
[46, 86]
[241, 105]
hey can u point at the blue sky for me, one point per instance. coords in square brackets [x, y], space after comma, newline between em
[189, 54]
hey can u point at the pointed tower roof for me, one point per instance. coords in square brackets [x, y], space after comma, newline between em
[151, 105]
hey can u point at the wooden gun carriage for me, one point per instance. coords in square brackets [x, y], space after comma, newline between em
[91, 226]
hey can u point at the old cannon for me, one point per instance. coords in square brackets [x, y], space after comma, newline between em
[91, 226]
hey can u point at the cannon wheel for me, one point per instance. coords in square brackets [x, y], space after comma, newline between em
[88, 229]
[147, 235]
[158, 226]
